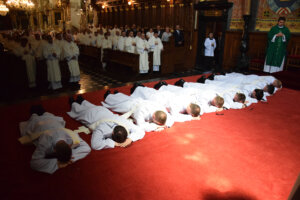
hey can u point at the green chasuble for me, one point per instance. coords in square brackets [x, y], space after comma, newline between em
[277, 50]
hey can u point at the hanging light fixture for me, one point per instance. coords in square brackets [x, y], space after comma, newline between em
[20, 4]
[3, 9]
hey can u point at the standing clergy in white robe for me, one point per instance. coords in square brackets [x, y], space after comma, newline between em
[39, 52]
[115, 39]
[210, 45]
[99, 39]
[51, 54]
[94, 39]
[103, 123]
[147, 115]
[27, 55]
[156, 46]
[60, 42]
[121, 42]
[130, 43]
[35, 44]
[71, 53]
[142, 49]
[106, 44]
[53, 142]
[150, 33]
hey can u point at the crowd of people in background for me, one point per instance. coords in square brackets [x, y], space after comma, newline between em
[55, 47]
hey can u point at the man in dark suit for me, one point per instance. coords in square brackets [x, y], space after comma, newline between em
[159, 31]
[179, 38]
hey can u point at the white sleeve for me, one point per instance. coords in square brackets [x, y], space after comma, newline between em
[81, 151]
[170, 120]
[283, 38]
[179, 117]
[136, 133]
[207, 43]
[99, 141]
[38, 161]
[273, 39]
[140, 121]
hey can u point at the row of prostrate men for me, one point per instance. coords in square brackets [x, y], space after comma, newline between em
[53, 48]
[145, 110]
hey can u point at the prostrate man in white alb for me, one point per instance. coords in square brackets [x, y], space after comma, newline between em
[52, 54]
[207, 99]
[210, 45]
[268, 83]
[130, 43]
[180, 107]
[147, 115]
[109, 130]
[156, 46]
[55, 147]
[71, 53]
[142, 49]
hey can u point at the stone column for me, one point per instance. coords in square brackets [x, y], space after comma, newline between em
[95, 18]
[75, 13]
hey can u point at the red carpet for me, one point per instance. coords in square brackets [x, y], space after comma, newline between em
[246, 154]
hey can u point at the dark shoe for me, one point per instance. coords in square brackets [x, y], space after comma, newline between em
[164, 83]
[180, 83]
[79, 99]
[37, 109]
[211, 77]
[159, 84]
[71, 101]
[106, 94]
[116, 92]
[201, 79]
[135, 85]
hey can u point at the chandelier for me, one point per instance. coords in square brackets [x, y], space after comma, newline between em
[20, 4]
[3, 9]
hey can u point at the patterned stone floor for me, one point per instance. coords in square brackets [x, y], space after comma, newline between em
[91, 80]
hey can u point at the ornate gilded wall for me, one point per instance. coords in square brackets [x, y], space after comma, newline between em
[270, 10]
[268, 13]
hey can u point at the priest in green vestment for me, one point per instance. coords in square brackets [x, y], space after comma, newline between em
[278, 38]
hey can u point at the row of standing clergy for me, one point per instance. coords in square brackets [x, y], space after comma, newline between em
[138, 45]
[145, 106]
[53, 52]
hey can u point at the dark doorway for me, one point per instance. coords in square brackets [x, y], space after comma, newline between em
[212, 18]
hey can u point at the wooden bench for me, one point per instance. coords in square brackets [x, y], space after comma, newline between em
[120, 62]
